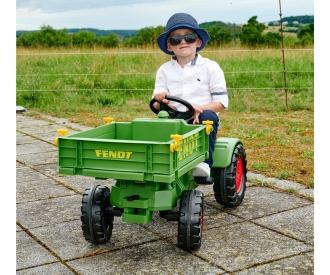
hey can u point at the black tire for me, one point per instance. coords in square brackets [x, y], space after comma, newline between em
[96, 222]
[227, 191]
[190, 226]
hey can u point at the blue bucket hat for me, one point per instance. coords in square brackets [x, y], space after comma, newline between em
[181, 21]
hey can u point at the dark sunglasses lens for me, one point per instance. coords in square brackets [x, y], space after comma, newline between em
[174, 41]
[190, 38]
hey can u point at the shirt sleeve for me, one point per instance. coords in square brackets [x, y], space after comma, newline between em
[160, 82]
[217, 84]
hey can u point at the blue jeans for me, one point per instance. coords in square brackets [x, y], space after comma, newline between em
[210, 115]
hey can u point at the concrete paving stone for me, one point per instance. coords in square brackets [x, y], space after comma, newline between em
[19, 165]
[306, 192]
[26, 174]
[49, 137]
[296, 265]
[77, 182]
[24, 139]
[262, 201]
[40, 189]
[298, 223]
[35, 147]
[29, 253]
[54, 269]
[81, 182]
[18, 228]
[37, 130]
[206, 189]
[151, 258]
[40, 158]
[241, 245]
[67, 239]
[27, 123]
[212, 218]
[48, 212]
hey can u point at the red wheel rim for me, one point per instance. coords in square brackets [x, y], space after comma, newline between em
[239, 174]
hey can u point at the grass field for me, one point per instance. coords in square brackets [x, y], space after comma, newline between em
[86, 87]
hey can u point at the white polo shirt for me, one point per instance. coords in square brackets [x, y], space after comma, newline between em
[199, 82]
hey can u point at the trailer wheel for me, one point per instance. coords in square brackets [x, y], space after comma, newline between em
[97, 222]
[190, 226]
[230, 182]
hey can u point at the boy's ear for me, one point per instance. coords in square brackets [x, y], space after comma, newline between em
[199, 43]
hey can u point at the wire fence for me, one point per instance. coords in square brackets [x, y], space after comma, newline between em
[155, 52]
[150, 73]
[138, 79]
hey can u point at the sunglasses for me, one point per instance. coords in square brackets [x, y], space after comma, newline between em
[176, 40]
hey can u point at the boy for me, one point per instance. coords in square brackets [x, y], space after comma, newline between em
[191, 77]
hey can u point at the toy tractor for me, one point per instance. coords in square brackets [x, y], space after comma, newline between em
[152, 160]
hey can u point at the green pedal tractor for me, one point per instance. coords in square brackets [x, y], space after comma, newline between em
[151, 161]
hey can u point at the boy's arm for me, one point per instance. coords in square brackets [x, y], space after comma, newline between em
[218, 88]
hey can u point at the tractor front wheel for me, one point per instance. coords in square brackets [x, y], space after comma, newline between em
[190, 225]
[97, 222]
[230, 182]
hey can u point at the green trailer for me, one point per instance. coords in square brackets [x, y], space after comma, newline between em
[151, 161]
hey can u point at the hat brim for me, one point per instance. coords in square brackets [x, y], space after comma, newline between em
[162, 38]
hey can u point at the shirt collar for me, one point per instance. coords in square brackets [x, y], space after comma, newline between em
[198, 60]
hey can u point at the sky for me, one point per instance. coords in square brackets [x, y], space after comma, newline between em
[136, 14]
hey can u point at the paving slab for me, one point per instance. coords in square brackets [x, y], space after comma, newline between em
[24, 139]
[242, 245]
[18, 228]
[212, 218]
[206, 189]
[53, 269]
[298, 223]
[48, 212]
[296, 265]
[39, 158]
[25, 122]
[26, 174]
[30, 253]
[151, 258]
[19, 165]
[35, 147]
[40, 189]
[67, 239]
[79, 183]
[262, 201]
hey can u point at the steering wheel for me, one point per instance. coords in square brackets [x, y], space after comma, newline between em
[172, 112]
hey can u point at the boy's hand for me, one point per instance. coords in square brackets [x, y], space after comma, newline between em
[160, 97]
[198, 111]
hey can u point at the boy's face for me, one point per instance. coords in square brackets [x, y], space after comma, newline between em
[183, 49]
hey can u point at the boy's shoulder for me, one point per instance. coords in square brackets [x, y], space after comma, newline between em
[210, 62]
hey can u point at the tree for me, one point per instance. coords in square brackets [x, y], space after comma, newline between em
[251, 33]
[144, 37]
[306, 35]
[109, 41]
[84, 39]
[272, 39]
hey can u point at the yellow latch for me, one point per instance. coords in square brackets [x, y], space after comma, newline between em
[208, 126]
[108, 120]
[175, 146]
[61, 132]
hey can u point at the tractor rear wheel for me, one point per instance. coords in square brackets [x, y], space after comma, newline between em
[230, 182]
[97, 222]
[190, 225]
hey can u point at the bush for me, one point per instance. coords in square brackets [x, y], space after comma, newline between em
[251, 33]
[109, 41]
[84, 39]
